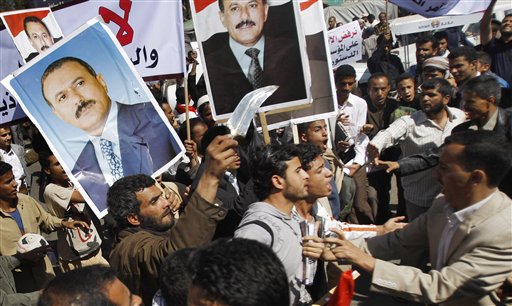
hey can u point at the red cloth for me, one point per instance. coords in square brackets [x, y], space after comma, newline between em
[344, 292]
[180, 108]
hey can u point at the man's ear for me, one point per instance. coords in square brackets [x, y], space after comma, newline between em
[492, 100]
[99, 77]
[303, 137]
[266, 12]
[133, 219]
[478, 177]
[46, 171]
[221, 17]
[277, 182]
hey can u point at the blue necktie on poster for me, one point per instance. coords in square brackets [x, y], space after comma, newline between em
[114, 162]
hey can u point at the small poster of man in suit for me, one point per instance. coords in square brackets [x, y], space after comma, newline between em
[95, 112]
[248, 44]
[33, 31]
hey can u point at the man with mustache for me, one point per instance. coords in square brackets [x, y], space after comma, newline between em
[122, 139]
[147, 231]
[247, 57]
[38, 34]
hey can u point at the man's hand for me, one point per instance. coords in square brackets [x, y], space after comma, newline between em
[191, 151]
[390, 166]
[344, 119]
[367, 128]
[171, 197]
[312, 246]
[219, 155]
[342, 146]
[74, 224]
[34, 256]
[391, 225]
[345, 250]
[353, 169]
[373, 152]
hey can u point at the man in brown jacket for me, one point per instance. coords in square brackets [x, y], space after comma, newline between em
[147, 230]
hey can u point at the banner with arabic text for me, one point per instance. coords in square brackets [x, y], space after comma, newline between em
[435, 8]
[345, 44]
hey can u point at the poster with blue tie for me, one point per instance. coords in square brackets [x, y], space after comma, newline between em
[95, 112]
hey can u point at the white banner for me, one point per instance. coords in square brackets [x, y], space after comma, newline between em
[150, 31]
[345, 44]
[435, 8]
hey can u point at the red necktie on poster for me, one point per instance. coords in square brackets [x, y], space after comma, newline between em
[344, 292]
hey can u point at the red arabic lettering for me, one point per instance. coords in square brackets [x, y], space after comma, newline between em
[125, 33]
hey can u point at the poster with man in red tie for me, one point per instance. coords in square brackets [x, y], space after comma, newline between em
[248, 44]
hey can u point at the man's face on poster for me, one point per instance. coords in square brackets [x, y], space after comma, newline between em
[39, 36]
[244, 20]
[77, 97]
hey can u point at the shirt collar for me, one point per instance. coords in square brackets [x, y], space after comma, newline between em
[110, 130]
[462, 214]
[239, 50]
[491, 123]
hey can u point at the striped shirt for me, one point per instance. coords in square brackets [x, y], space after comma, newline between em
[416, 134]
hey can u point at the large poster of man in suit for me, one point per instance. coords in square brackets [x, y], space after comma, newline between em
[95, 112]
[243, 49]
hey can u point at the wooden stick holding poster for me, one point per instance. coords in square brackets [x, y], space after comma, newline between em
[345, 44]
[108, 127]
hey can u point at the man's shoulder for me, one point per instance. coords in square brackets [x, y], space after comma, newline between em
[357, 100]
[216, 41]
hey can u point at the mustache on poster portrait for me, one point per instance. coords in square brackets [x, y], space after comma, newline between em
[83, 105]
[244, 23]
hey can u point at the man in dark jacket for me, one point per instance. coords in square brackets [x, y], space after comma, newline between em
[147, 230]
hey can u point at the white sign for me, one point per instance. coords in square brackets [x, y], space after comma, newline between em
[345, 44]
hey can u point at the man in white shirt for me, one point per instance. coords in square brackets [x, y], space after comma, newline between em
[350, 141]
[13, 154]
[417, 133]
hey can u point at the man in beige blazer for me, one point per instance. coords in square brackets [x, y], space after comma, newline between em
[467, 232]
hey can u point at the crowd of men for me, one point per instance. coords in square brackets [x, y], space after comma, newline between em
[237, 222]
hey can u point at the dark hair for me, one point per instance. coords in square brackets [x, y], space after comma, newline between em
[35, 19]
[270, 160]
[377, 75]
[405, 76]
[426, 39]
[308, 152]
[211, 133]
[441, 35]
[174, 277]
[240, 272]
[221, 4]
[441, 85]
[180, 95]
[355, 18]
[44, 159]
[80, 287]
[57, 64]
[302, 128]
[201, 108]
[484, 86]
[182, 131]
[4, 167]
[484, 150]
[497, 22]
[344, 71]
[122, 199]
[484, 57]
[371, 16]
[469, 53]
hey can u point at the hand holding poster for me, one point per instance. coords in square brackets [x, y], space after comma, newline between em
[95, 112]
[345, 44]
[435, 8]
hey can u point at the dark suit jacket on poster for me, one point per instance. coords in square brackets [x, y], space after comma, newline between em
[146, 145]
[282, 66]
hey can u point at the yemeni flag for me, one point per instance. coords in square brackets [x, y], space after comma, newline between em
[436, 8]
[344, 292]
[206, 18]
